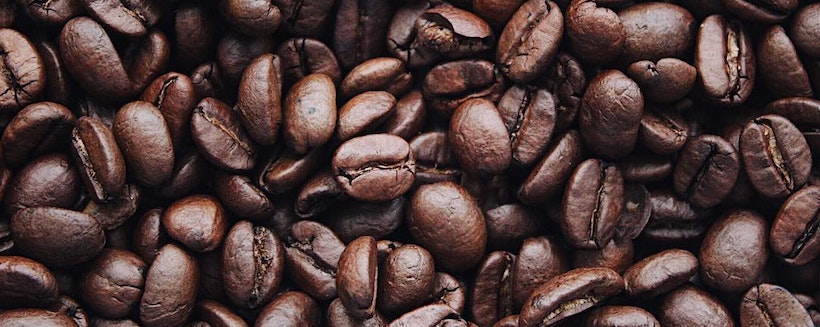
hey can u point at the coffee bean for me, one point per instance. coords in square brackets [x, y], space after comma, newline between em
[772, 305]
[259, 99]
[375, 167]
[764, 12]
[508, 225]
[117, 272]
[116, 211]
[310, 113]
[377, 74]
[448, 85]
[569, 294]
[453, 32]
[217, 314]
[625, 316]
[656, 30]
[663, 131]
[251, 17]
[378, 219]
[285, 170]
[530, 40]
[291, 308]
[55, 13]
[101, 164]
[39, 128]
[479, 138]
[492, 292]
[252, 265]
[725, 61]
[617, 256]
[430, 315]
[706, 170]
[595, 32]
[741, 232]
[529, 115]
[610, 120]
[304, 56]
[357, 277]
[539, 260]
[220, 137]
[360, 30]
[406, 280]
[408, 118]
[547, 178]
[449, 291]
[435, 161]
[131, 18]
[363, 113]
[793, 232]
[318, 194]
[35, 317]
[26, 283]
[312, 256]
[776, 156]
[592, 204]
[802, 29]
[242, 198]
[170, 288]
[666, 81]
[780, 66]
[145, 141]
[197, 221]
[24, 73]
[690, 306]
[660, 273]
[55, 236]
[173, 94]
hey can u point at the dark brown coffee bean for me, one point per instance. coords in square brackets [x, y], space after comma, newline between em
[357, 277]
[566, 80]
[310, 113]
[569, 294]
[220, 137]
[646, 168]
[364, 113]
[595, 32]
[793, 234]
[725, 61]
[448, 85]
[636, 213]
[50, 180]
[660, 273]
[55, 236]
[216, 314]
[24, 74]
[291, 308]
[449, 291]
[592, 204]
[195, 39]
[492, 297]
[145, 141]
[656, 30]
[622, 316]
[189, 172]
[318, 194]
[377, 74]
[235, 51]
[286, 170]
[780, 66]
[610, 114]
[408, 118]
[174, 95]
[435, 161]
[112, 285]
[208, 81]
[508, 225]
[769, 11]
[100, 162]
[35, 317]
[242, 198]
[170, 288]
[312, 255]
[776, 156]
[479, 138]
[360, 30]
[39, 128]
[251, 17]
[72, 309]
[496, 12]
[253, 260]
[26, 283]
[772, 305]
[353, 219]
[539, 260]
[706, 170]
[453, 32]
[530, 40]
[804, 29]
[548, 177]
[401, 36]
[663, 131]
[617, 256]
[59, 86]
[259, 99]
[674, 220]
[149, 236]
[529, 115]
[197, 221]
[55, 13]
[116, 211]
[666, 81]
[305, 18]
[447, 221]
[690, 306]
[744, 234]
[304, 56]
[429, 316]
[338, 316]
[406, 280]
[129, 17]
[375, 167]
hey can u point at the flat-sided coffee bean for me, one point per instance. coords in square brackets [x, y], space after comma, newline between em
[656, 30]
[286, 170]
[338, 316]
[595, 32]
[39, 128]
[377, 74]
[743, 233]
[690, 306]
[242, 198]
[57, 237]
[492, 294]
[197, 221]
[448, 85]
[660, 273]
[794, 236]
[509, 224]
[548, 177]
[569, 294]
[318, 194]
[98, 157]
[26, 283]
[357, 277]
[615, 255]
[310, 113]
[530, 40]
[636, 213]
[251, 17]
[621, 316]
[435, 161]
[305, 18]
[539, 260]
[259, 99]
[217, 314]
[353, 219]
[145, 141]
[772, 305]
[170, 288]
[304, 56]
[725, 61]
[610, 114]
[291, 308]
[430, 315]
[24, 76]
[406, 280]
[220, 137]
[312, 255]
[769, 11]
[375, 167]
[448, 222]
[592, 203]
[253, 261]
[35, 317]
[780, 66]
[112, 285]
[116, 211]
[776, 156]
[529, 115]
[706, 170]
[363, 113]
[361, 27]
[129, 17]
[663, 131]
[453, 32]
[666, 81]
[479, 138]
[174, 95]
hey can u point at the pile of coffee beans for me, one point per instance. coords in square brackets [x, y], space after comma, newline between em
[490, 163]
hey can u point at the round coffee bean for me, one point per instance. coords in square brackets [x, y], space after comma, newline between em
[197, 221]
[55, 236]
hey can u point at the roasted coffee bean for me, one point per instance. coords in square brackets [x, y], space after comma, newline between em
[363, 113]
[539, 260]
[235, 51]
[623, 316]
[220, 137]
[310, 113]
[360, 30]
[38, 129]
[401, 36]
[408, 118]
[447, 221]
[592, 203]
[304, 56]
[663, 131]
[647, 168]
[765, 11]
[195, 39]
[318, 194]
[660, 273]
[149, 236]
[496, 12]
[780, 66]
[55, 13]
[666, 81]
[772, 305]
[357, 277]
[406, 279]
[435, 161]
[252, 264]
[569, 294]
[353, 219]
[530, 40]
[656, 30]
[706, 170]
[216, 314]
[251, 17]
[508, 225]
[242, 198]
[59, 86]
[131, 17]
[208, 81]
[725, 61]
[35, 317]
[173, 94]
[170, 288]
[674, 220]
[448, 85]
[23, 71]
[690, 306]
[113, 284]
[430, 315]
[375, 167]
[610, 120]
[377, 74]
[197, 221]
[479, 139]
[189, 172]
[304, 18]
[803, 29]
[50, 180]
[491, 295]
[98, 157]
[116, 211]
[548, 177]
[26, 283]
[595, 32]
[740, 232]
[636, 213]
[529, 115]
[312, 256]
[145, 141]
[615, 255]
[775, 155]
[259, 99]
[55, 236]
[793, 235]
[286, 170]
[291, 308]
[453, 32]
[448, 290]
